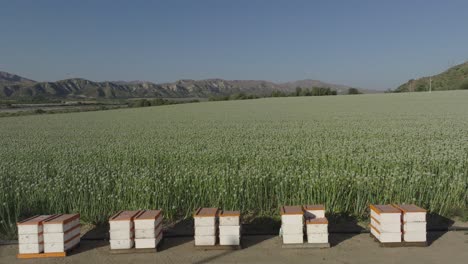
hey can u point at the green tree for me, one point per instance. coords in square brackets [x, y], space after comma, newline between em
[353, 91]
[298, 91]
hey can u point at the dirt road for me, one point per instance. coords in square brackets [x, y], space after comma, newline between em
[451, 247]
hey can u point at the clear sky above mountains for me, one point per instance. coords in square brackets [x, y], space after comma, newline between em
[368, 44]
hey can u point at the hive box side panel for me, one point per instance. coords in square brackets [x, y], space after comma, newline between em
[317, 228]
[292, 219]
[293, 239]
[414, 236]
[229, 221]
[205, 230]
[292, 229]
[229, 230]
[229, 240]
[205, 221]
[205, 240]
[317, 238]
[121, 244]
[121, 234]
[31, 248]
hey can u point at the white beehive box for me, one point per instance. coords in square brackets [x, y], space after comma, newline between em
[292, 224]
[229, 228]
[30, 234]
[317, 230]
[122, 231]
[385, 223]
[61, 232]
[206, 226]
[148, 228]
[413, 222]
[314, 211]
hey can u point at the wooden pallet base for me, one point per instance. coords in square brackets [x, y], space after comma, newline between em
[46, 255]
[137, 250]
[307, 245]
[219, 247]
[399, 244]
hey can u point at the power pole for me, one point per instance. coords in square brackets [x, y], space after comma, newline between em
[430, 84]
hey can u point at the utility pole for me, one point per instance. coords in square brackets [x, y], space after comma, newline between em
[430, 84]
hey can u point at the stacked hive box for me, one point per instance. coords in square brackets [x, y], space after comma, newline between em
[61, 232]
[229, 228]
[317, 224]
[314, 211]
[30, 234]
[206, 226]
[148, 229]
[292, 224]
[413, 223]
[385, 223]
[122, 231]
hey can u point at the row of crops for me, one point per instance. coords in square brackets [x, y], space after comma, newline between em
[256, 155]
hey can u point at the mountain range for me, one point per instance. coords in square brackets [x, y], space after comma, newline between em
[16, 87]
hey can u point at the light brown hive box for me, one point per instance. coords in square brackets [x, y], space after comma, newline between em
[314, 211]
[317, 225]
[229, 218]
[411, 213]
[147, 219]
[122, 220]
[206, 216]
[317, 230]
[385, 213]
[292, 215]
[32, 225]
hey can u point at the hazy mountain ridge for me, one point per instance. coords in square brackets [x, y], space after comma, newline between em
[454, 78]
[14, 86]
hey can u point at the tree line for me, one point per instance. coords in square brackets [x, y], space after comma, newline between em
[314, 91]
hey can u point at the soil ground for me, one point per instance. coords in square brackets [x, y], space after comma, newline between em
[444, 247]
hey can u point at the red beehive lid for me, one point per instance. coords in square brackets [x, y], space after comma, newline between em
[317, 221]
[409, 208]
[384, 209]
[314, 207]
[229, 213]
[62, 219]
[291, 210]
[124, 216]
[148, 214]
[35, 220]
[206, 212]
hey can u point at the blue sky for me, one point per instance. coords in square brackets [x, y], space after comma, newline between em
[369, 44]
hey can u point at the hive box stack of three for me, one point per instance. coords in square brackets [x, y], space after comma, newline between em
[206, 226]
[122, 230]
[229, 228]
[148, 229]
[413, 222]
[385, 223]
[292, 224]
[61, 232]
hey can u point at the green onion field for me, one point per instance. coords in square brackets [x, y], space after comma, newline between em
[251, 155]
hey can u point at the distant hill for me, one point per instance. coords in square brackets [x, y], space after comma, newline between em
[16, 87]
[455, 78]
[13, 79]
